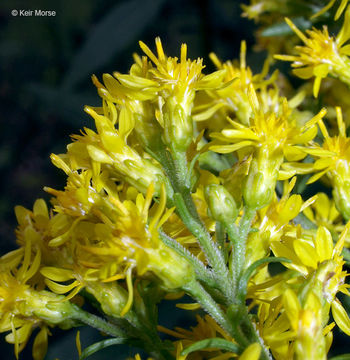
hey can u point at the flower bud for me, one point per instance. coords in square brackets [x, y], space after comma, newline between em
[111, 296]
[178, 126]
[50, 307]
[221, 204]
[171, 268]
[260, 183]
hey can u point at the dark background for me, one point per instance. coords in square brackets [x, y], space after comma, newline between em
[45, 67]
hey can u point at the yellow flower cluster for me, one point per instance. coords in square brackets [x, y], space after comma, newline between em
[192, 184]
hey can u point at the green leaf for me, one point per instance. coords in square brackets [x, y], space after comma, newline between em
[282, 29]
[99, 346]
[243, 282]
[213, 343]
[122, 25]
[341, 357]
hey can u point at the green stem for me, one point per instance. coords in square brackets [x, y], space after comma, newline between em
[203, 274]
[253, 335]
[180, 161]
[220, 239]
[239, 240]
[195, 290]
[210, 249]
[97, 323]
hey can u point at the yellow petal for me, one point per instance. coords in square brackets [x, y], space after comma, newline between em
[293, 153]
[224, 149]
[304, 72]
[98, 155]
[56, 274]
[135, 82]
[40, 208]
[285, 175]
[306, 253]
[291, 208]
[194, 306]
[59, 288]
[126, 122]
[208, 113]
[40, 345]
[252, 352]
[78, 343]
[341, 317]
[316, 177]
[324, 244]
[212, 80]
[240, 134]
[344, 33]
[316, 87]
[292, 307]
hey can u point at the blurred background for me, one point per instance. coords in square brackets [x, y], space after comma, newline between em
[46, 64]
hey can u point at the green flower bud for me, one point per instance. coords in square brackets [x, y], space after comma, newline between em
[111, 296]
[260, 183]
[221, 204]
[51, 308]
[178, 126]
[170, 267]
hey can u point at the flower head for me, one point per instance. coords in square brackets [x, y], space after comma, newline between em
[269, 138]
[23, 308]
[333, 160]
[322, 54]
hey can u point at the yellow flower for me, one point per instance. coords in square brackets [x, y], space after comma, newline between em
[108, 149]
[333, 161]
[232, 97]
[322, 54]
[274, 221]
[269, 139]
[109, 243]
[307, 325]
[179, 81]
[23, 308]
[323, 212]
[315, 254]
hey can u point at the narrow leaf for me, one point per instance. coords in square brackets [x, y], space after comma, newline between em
[99, 346]
[213, 343]
[242, 287]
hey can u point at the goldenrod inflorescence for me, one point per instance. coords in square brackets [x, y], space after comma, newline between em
[193, 184]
